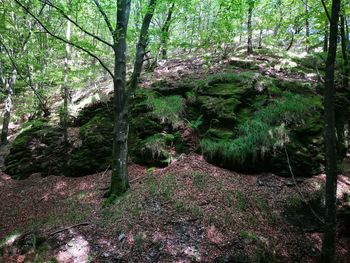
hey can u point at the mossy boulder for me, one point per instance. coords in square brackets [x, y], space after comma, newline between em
[152, 138]
[95, 152]
[256, 144]
[37, 149]
[225, 98]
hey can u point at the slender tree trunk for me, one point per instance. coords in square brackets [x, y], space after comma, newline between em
[9, 84]
[307, 27]
[260, 39]
[65, 110]
[250, 30]
[120, 180]
[344, 45]
[325, 40]
[342, 109]
[141, 47]
[328, 246]
[165, 32]
[291, 42]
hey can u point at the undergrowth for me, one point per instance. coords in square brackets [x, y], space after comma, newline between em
[168, 108]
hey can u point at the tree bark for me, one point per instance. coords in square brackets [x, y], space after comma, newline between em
[325, 40]
[260, 39]
[122, 95]
[141, 47]
[165, 32]
[65, 110]
[250, 30]
[328, 246]
[291, 42]
[120, 181]
[9, 84]
[307, 27]
[344, 45]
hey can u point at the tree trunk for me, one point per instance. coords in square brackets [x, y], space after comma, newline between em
[141, 47]
[328, 246]
[165, 32]
[307, 27]
[250, 30]
[65, 110]
[120, 180]
[325, 40]
[9, 84]
[291, 42]
[260, 39]
[344, 45]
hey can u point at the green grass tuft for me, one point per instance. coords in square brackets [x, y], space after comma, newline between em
[168, 109]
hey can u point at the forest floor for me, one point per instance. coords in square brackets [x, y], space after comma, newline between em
[190, 211]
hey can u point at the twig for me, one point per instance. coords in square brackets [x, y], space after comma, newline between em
[106, 170]
[104, 188]
[137, 178]
[67, 228]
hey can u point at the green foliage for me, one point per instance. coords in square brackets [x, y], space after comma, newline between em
[241, 200]
[191, 97]
[167, 186]
[139, 241]
[157, 145]
[243, 78]
[250, 236]
[200, 179]
[196, 123]
[167, 109]
[152, 185]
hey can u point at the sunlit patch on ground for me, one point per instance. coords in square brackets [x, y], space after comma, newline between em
[75, 250]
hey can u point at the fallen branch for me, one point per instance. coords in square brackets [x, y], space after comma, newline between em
[69, 227]
[137, 178]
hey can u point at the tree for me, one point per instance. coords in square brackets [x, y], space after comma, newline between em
[65, 95]
[328, 246]
[164, 34]
[9, 84]
[122, 92]
[249, 25]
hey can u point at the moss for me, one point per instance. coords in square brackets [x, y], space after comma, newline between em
[259, 138]
[95, 153]
[37, 145]
[245, 64]
[219, 108]
[296, 86]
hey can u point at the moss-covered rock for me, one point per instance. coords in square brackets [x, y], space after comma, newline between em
[246, 119]
[257, 145]
[37, 149]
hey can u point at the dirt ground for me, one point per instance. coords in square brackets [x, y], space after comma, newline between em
[190, 211]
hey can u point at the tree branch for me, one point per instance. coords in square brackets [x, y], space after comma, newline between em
[30, 31]
[105, 17]
[75, 23]
[326, 10]
[64, 40]
[42, 104]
